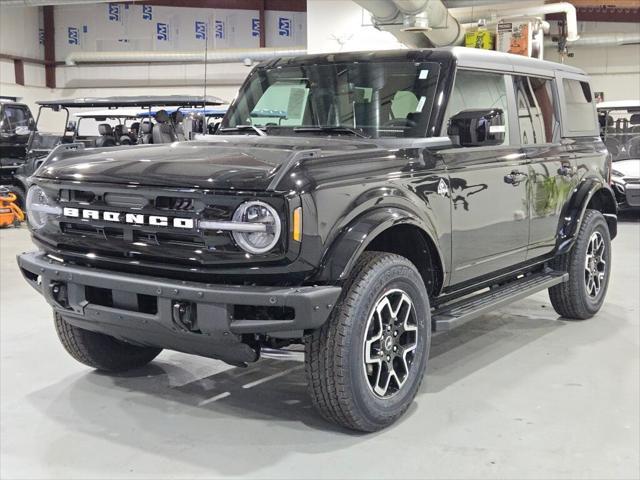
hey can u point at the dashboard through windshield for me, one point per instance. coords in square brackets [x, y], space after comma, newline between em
[382, 99]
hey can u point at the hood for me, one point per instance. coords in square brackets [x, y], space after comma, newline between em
[628, 168]
[224, 162]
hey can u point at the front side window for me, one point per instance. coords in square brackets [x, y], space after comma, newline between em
[383, 99]
[579, 104]
[536, 110]
[477, 90]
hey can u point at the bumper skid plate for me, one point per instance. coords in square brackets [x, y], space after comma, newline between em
[191, 317]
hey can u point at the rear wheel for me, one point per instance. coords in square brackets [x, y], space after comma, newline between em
[589, 266]
[366, 364]
[100, 351]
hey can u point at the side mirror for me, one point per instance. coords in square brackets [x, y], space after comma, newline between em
[477, 128]
[71, 127]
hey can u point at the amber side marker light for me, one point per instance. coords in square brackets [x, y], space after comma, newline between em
[297, 224]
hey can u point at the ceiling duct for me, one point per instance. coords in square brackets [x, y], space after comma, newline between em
[424, 23]
[416, 23]
[227, 55]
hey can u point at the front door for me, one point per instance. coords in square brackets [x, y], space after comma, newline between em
[488, 186]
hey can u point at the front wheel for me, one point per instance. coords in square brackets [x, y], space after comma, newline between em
[589, 266]
[366, 364]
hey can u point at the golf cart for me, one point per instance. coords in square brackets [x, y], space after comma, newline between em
[620, 131]
[16, 124]
[195, 122]
[120, 122]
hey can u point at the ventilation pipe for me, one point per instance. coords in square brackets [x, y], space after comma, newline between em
[416, 23]
[601, 40]
[227, 55]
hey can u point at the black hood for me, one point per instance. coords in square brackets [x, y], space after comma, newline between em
[225, 162]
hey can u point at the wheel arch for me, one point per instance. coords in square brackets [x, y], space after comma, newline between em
[591, 193]
[390, 230]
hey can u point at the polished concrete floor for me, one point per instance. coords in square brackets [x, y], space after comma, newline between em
[515, 394]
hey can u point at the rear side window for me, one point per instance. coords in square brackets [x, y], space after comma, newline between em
[579, 105]
[477, 90]
[536, 110]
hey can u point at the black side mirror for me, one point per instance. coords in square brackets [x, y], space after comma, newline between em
[477, 128]
[71, 127]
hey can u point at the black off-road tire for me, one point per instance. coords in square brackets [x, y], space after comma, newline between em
[570, 299]
[334, 354]
[100, 351]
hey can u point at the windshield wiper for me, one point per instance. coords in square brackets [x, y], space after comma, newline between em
[244, 128]
[331, 129]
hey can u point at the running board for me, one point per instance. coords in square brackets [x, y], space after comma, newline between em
[451, 315]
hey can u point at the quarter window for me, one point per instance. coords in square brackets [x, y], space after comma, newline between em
[536, 110]
[477, 90]
[579, 103]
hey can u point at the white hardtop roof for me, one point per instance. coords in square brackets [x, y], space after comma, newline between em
[489, 59]
[619, 104]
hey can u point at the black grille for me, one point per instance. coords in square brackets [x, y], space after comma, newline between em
[175, 203]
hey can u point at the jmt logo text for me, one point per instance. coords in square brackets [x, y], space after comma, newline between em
[284, 27]
[201, 31]
[73, 36]
[255, 27]
[219, 29]
[113, 10]
[129, 218]
[147, 12]
[162, 31]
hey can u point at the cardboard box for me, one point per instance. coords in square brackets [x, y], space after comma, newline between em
[520, 37]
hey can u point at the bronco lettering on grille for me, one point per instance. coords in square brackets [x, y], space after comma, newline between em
[130, 218]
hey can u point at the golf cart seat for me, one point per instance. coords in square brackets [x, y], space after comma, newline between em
[146, 136]
[163, 129]
[106, 138]
[176, 119]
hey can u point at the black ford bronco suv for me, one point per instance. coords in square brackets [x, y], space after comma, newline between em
[352, 203]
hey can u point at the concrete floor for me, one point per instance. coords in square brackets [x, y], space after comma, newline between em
[515, 394]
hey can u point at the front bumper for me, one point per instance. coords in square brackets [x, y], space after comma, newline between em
[192, 317]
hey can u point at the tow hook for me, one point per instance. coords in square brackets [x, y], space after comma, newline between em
[184, 315]
[59, 294]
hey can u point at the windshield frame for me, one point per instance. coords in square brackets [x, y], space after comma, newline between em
[428, 118]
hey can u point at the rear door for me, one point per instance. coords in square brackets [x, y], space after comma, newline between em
[552, 165]
[488, 185]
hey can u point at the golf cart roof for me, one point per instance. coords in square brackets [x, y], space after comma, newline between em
[618, 104]
[137, 101]
[112, 113]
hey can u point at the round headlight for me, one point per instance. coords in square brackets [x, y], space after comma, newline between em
[258, 213]
[37, 203]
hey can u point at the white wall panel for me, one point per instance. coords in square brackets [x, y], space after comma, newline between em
[120, 27]
[285, 29]
[20, 31]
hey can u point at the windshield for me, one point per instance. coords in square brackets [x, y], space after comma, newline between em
[14, 116]
[620, 130]
[384, 99]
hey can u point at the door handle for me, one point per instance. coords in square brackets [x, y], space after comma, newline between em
[515, 177]
[566, 170]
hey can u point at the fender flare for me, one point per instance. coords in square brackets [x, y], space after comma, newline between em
[341, 255]
[576, 207]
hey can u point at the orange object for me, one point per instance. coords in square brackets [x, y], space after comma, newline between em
[10, 213]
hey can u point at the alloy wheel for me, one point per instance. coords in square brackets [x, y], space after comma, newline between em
[391, 339]
[595, 265]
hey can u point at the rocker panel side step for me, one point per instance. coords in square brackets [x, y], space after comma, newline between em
[451, 315]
